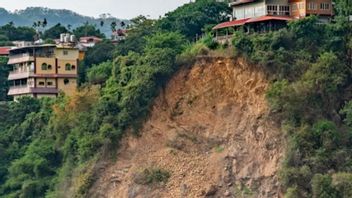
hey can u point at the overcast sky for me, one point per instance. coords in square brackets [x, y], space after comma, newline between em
[125, 9]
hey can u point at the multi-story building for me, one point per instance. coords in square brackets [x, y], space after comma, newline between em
[43, 70]
[303, 8]
[263, 15]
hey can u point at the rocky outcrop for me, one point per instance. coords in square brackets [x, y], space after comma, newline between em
[210, 128]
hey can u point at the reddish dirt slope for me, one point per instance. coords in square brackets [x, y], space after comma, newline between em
[211, 130]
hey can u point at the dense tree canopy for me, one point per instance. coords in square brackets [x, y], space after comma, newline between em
[55, 31]
[311, 74]
[193, 17]
[87, 30]
[4, 84]
[17, 33]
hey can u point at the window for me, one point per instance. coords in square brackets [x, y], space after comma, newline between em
[50, 83]
[50, 67]
[66, 81]
[44, 66]
[68, 67]
[65, 52]
[272, 9]
[73, 67]
[324, 6]
[284, 10]
[41, 83]
[312, 6]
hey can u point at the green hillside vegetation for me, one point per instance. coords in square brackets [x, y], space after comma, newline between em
[48, 146]
[310, 70]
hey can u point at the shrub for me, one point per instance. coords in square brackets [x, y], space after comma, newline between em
[322, 188]
[152, 176]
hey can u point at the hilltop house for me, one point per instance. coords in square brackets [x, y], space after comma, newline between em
[264, 15]
[90, 41]
[44, 70]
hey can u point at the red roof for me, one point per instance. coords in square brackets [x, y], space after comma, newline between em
[231, 24]
[4, 50]
[269, 18]
[251, 20]
[87, 39]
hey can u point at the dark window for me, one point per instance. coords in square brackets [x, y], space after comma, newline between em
[50, 83]
[73, 67]
[41, 83]
[68, 66]
[65, 52]
[50, 67]
[44, 66]
[66, 81]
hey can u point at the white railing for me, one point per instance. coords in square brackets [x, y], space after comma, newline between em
[20, 58]
[19, 74]
[20, 89]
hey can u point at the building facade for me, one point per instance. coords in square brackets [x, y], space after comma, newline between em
[303, 8]
[43, 70]
[264, 15]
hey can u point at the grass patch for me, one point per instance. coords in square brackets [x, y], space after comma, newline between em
[150, 176]
[219, 149]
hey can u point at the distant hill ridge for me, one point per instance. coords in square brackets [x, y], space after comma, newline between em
[66, 17]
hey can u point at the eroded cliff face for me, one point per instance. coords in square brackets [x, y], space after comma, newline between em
[210, 128]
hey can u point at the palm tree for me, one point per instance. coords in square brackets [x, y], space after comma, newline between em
[69, 26]
[44, 23]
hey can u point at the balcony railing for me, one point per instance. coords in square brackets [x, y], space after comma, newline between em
[26, 89]
[18, 90]
[20, 58]
[14, 75]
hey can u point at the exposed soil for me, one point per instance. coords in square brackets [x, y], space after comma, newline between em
[210, 128]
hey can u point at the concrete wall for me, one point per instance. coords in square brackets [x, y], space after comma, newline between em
[46, 82]
[62, 66]
[48, 61]
[72, 54]
[68, 88]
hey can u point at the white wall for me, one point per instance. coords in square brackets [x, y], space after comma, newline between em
[249, 10]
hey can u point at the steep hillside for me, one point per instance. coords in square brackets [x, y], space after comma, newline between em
[210, 129]
[29, 15]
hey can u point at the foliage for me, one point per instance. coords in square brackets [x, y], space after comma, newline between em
[55, 31]
[136, 40]
[310, 75]
[191, 18]
[101, 52]
[87, 30]
[152, 176]
[4, 84]
[98, 74]
[13, 33]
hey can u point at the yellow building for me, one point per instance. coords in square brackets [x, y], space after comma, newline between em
[43, 70]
